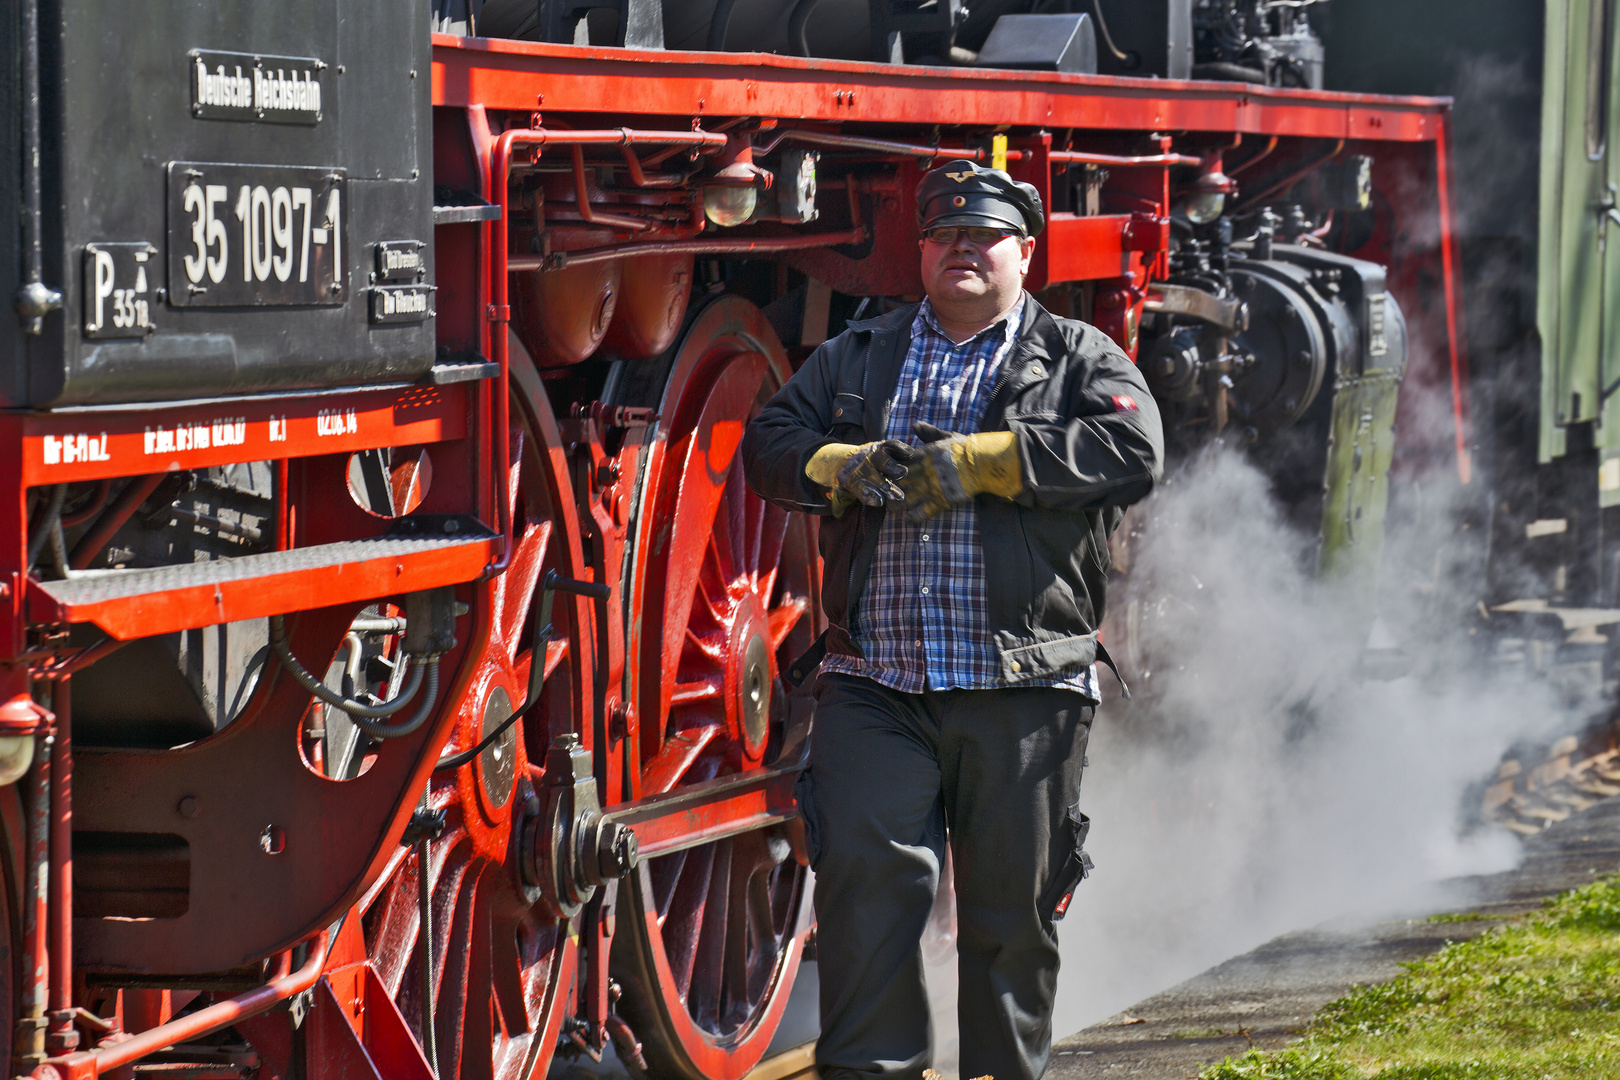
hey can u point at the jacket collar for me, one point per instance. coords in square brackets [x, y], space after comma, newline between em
[898, 319]
[891, 337]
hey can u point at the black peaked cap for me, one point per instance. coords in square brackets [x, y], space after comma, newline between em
[967, 193]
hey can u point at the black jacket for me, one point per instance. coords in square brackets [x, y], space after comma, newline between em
[1091, 442]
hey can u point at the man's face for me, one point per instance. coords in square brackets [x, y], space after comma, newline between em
[965, 276]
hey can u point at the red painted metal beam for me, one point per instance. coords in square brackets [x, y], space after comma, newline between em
[93, 444]
[499, 74]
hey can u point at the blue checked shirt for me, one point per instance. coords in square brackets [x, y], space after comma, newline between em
[922, 621]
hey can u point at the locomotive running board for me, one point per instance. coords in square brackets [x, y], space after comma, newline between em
[138, 603]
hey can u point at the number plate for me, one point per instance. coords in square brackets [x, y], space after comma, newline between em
[256, 235]
[120, 287]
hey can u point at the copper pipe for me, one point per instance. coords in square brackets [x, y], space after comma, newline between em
[557, 260]
[582, 202]
[112, 519]
[91, 1063]
[63, 1036]
[1263, 153]
[1292, 178]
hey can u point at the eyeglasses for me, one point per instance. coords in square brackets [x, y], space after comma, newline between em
[976, 234]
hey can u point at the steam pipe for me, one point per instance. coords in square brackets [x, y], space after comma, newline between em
[62, 1036]
[34, 298]
[933, 153]
[92, 1063]
[719, 23]
[799, 25]
[582, 201]
[1265, 152]
[1121, 161]
[500, 291]
[129, 500]
[36, 917]
[639, 177]
[98, 499]
[1292, 178]
[557, 260]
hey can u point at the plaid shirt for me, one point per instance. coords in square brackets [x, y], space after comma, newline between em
[922, 622]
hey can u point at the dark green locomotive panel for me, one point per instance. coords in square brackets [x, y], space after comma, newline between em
[236, 198]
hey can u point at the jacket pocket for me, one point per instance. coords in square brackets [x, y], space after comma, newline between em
[1074, 869]
[804, 793]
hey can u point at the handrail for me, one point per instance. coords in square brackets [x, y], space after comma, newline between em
[91, 1063]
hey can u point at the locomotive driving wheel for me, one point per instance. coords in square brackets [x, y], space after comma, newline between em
[724, 596]
[503, 964]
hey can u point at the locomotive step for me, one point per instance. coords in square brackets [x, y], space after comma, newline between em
[137, 603]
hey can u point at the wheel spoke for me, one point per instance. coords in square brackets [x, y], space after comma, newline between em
[690, 693]
[683, 923]
[708, 986]
[772, 530]
[786, 617]
[754, 511]
[515, 589]
[677, 756]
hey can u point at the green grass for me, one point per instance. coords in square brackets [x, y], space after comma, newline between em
[1538, 997]
[1463, 917]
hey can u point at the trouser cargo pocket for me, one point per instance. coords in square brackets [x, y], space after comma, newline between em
[1075, 867]
[804, 795]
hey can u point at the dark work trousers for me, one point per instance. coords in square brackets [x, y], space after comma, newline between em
[889, 774]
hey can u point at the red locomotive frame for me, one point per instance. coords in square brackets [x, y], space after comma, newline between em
[301, 883]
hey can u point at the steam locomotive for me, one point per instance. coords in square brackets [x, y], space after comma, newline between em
[396, 664]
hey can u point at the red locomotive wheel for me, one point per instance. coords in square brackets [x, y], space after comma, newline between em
[724, 597]
[503, 964]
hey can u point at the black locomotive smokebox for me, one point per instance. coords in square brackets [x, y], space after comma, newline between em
[1065, 43]
[222, 188]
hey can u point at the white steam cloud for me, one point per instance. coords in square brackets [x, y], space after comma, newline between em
[1262, 782]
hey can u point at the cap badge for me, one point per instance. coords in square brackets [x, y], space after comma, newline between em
[960, 176]
[960, 200]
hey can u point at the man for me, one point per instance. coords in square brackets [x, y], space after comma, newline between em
[972, 454]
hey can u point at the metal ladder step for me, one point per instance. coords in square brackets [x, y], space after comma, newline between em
[137, 603]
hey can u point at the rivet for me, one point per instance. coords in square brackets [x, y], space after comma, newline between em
[187, 807]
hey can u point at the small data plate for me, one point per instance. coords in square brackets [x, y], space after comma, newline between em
[401, 303]
[401, 260]
[256, 235]
[252, 88]
[120, 287]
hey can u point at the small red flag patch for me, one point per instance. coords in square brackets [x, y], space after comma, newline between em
[1124, 403]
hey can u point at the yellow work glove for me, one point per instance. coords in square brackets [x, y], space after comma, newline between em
[951, 469]
[863, 474]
